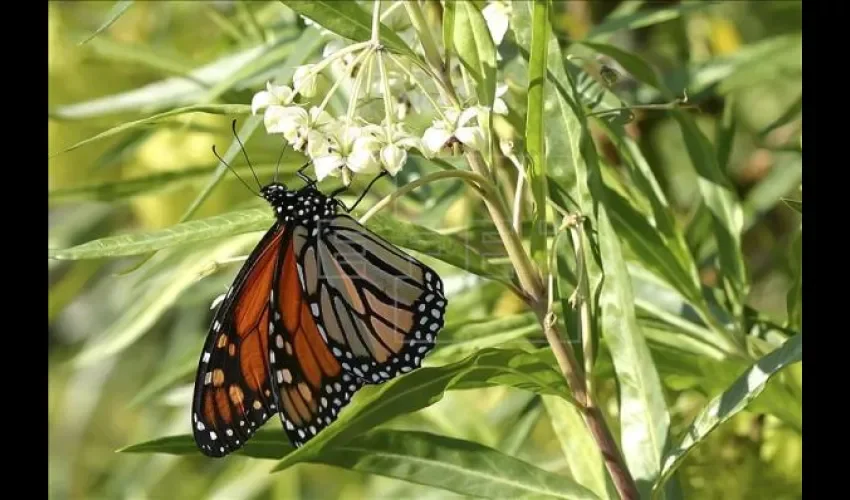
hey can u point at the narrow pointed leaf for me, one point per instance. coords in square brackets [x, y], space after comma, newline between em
[115, 12]
[375, 405]
[726, 405]
[215, 109]
[584, 459]
[346, 19]
[474, 47]
[463, 467]
[142, 242]
[154, 302]
[411, 236]
[643, 18]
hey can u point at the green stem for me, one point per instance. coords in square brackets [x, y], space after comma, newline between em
[355, 92]
[338, 81]
[529, 278]
[582, 301]
[419, 84]
[376, 22]
[324, 63]
[476, 181]
[385, 80]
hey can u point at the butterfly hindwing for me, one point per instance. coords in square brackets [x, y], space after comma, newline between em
[233, 393]
[308, 380]
[379, 309]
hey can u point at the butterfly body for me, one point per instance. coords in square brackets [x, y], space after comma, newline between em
[322, 307]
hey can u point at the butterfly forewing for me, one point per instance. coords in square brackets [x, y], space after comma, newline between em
[309, 382]
[379, 310]
[233, 394]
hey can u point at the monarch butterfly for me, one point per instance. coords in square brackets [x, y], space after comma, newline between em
[321, 307]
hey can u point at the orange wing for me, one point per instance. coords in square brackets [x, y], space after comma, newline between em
[233, 395]
[311, 386]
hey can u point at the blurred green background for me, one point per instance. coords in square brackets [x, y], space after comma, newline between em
[154, 319]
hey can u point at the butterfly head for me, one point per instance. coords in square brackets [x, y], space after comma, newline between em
[274, 193]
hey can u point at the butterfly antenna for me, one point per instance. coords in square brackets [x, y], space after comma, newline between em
[233, 170]
[277, 167]
[233, 126]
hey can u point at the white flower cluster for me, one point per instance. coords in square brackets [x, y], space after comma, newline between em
[387, 95]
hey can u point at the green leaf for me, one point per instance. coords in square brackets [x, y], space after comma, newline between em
[797, 205]
[463, 338]
[651, 250]
[162, 382]
[644, 419]
[522, 425]
[460, 466]
[787, 117]
[115, 12]
[795, 293]
[436, 245]
[411, 236]
[584, 460]
[269, 444]
[217, 226]
[448, 29]
[535, 138]
[556, 112]
[348, 20]
[727, 215]
[629, 61]
[726, 128]
[175, 91]
[215, 109]
[450, 464]
[245, 132]
[157, 298]
[642, 19]
[474, 47]
[128, 188]
[726, 405]
[374, 405]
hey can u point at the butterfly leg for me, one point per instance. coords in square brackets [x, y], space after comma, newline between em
[303, 176]
[362, 195]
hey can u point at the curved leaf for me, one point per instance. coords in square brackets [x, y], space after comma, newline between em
[411, 236]
[451, 464]
[584, 460]
[115, 12]
[215, 109]
[155, 301]
[724, 406]
[186, 232]
[346, 19]
[474, 47]
[374, 405]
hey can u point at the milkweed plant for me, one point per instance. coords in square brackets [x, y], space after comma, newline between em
[438, 89]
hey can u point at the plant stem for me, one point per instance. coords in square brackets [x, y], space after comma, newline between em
[567, 362]
[376, 22]
[528, 276]
[593, 418]
[473, 179]
[582, 301]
